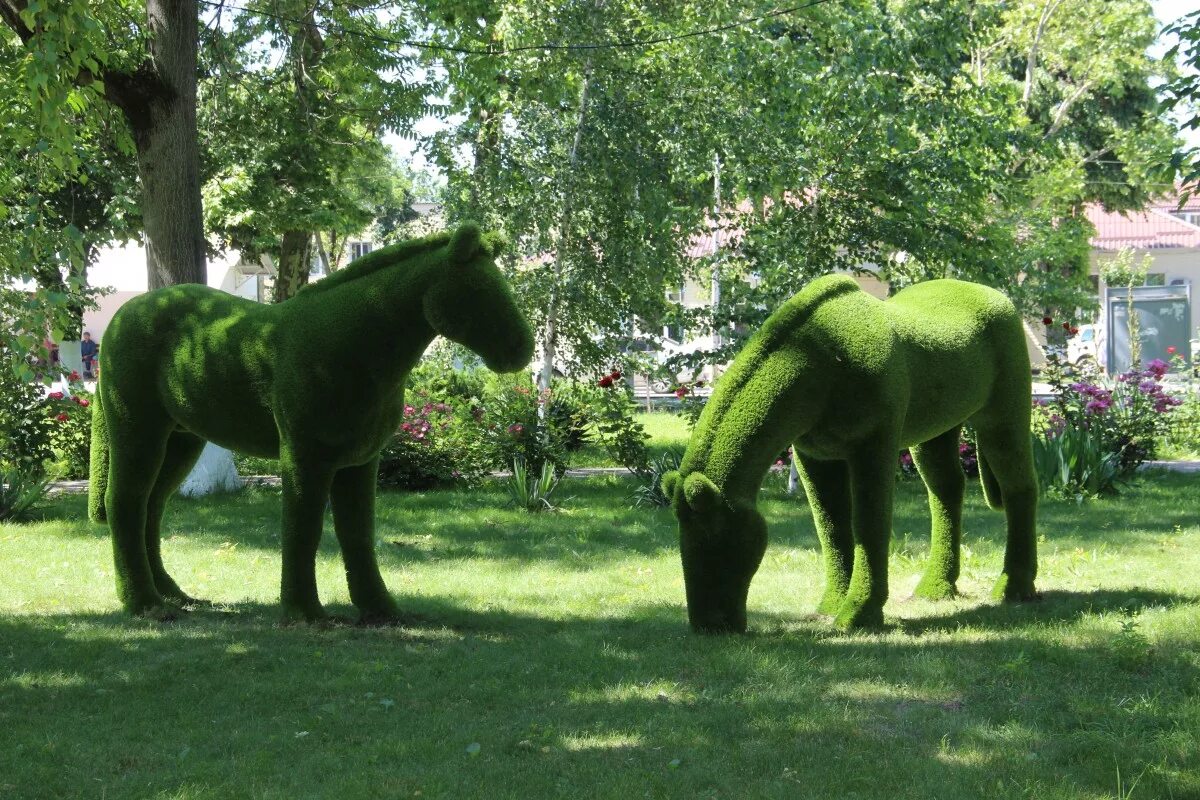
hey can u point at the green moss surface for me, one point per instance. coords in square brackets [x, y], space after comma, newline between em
[316, 381]
[848, 380]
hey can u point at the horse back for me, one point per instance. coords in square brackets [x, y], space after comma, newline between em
[200, 357]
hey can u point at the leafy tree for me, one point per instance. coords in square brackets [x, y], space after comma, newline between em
[1183, 93]
[299, 97]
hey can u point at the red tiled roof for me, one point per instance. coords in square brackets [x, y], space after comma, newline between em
[1153, 229]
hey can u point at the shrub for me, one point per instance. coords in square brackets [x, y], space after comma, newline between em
[70, 432]
[437, 445]
[649, 490]
[1074, 463]
[515, 427]
[1182, 436]
[21, 489]
[1095, 433]
[25, 428]
[529, 491]
[618, 429]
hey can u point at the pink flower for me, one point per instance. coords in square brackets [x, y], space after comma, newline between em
[62, 417]
[74, 376]
[1171, 350]
[409, 411]
[56, 395]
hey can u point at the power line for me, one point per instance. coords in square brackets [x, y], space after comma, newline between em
[503, 51]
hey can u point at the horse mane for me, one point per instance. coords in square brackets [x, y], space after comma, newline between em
[393, 255]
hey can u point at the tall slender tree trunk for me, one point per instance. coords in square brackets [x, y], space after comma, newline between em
[550, 329]
[716, 263]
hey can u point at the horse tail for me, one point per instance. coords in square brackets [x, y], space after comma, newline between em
[991, 486]
[98, 467]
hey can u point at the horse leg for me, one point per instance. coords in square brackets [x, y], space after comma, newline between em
[305, 493]
[1009, 453]
[135, 456]
[940, 468]
[353, 496]
[827, 485]
[183, 449]
[872, 486]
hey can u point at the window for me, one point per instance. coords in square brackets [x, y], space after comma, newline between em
[359, 249]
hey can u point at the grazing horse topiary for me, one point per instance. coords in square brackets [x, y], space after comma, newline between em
[848, 381]
[316, 381]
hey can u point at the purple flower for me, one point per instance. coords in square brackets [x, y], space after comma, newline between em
[1156, 368]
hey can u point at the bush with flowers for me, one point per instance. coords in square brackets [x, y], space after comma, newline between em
[70, 431]
[1094, 433]
[436, 445]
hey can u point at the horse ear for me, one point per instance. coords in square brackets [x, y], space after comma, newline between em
[702, 494]
[465, 242]
[670, 482]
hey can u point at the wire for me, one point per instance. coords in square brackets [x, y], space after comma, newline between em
[502, 51]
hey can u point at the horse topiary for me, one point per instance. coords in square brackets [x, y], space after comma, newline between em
[848, 380]
[316, 381]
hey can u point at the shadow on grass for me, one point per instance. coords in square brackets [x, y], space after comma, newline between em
[596, 700]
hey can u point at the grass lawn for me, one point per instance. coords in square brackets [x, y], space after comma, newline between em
[550, 658]
[667, 431]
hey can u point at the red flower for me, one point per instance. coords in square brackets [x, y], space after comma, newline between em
[1171, 350]
[606, 382]
[698, 384]
[681, 391]
[1066, 326]
[74, 376]
[1047, 321]
[62, 417]
[83, 401]
[616, 375]
[55, 395]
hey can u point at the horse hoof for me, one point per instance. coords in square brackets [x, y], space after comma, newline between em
[935, 590]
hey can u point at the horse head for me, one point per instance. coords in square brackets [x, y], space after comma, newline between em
[472, 304]
[722, 542]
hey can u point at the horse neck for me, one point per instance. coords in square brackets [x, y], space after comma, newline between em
[749, 421]
[382, 312]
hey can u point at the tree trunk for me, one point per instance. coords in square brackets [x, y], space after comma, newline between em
[550, 331]
[291, 270]
[159, 101]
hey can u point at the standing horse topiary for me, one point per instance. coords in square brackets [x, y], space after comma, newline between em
[316, 381]
[848, 381]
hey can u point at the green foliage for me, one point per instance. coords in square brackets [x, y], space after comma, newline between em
[26, 431]
[515, 424]
[619, 430]
[1183, 92]
[437, 445]
[316, 381]
[1076, 463]
[22, 489]
[532, 491]
[649, 492]
[849, 381]
[70, 433]
[1096, 432]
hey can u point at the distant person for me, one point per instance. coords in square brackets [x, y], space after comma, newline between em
[88, 349]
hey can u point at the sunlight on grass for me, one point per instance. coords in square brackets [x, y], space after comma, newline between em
[558, 644]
